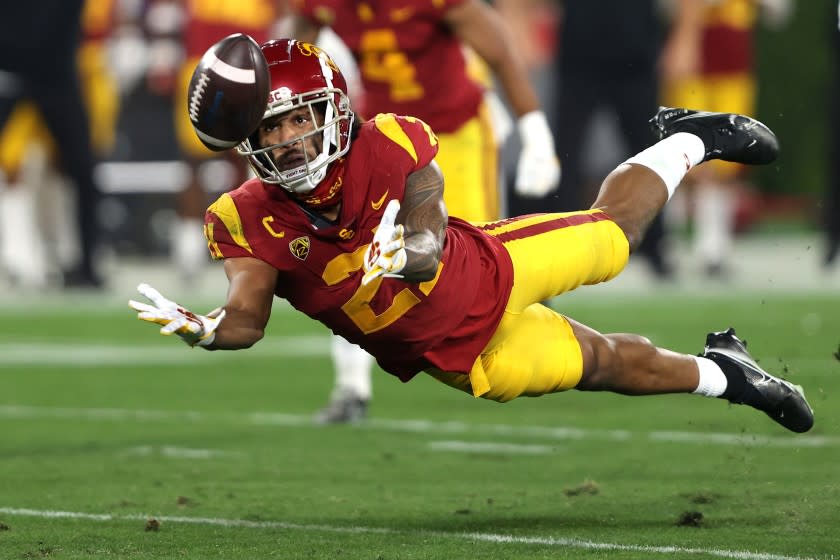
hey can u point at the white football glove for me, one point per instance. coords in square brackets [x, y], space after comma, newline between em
[385, 256]
[192, 328]
[538, 170]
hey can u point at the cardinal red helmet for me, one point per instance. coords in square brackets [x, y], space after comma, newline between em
[303, 75]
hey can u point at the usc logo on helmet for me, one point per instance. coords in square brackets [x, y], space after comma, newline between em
[308, 49]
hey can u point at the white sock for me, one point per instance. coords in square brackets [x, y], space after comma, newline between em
[712, 379]
[22, 253]
[714, 222]
[352, 367]
[672, 158]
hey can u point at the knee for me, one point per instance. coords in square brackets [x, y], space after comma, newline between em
[633, 234]
[609, 357]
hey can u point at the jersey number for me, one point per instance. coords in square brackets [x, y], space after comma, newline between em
[253, 14]
[358, 306]
[382, 61]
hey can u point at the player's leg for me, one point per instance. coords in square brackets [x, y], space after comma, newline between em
[637, 190]
[66, 116]
[23, 162]
[718, 185]
[634, 103]
[468, 158]
[572, 355]
[631, 365]
[188, 248]
[353, 388]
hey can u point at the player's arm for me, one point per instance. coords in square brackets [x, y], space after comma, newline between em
[482, 28]
[239, 324]
[681, 55]
[408, 242]
[248, 306]
[424, 217]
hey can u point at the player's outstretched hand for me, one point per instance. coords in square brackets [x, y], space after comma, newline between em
[538, 169]
[385, 256]
[192, 328]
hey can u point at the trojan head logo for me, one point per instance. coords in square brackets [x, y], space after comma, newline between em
[308, 49]
[300, 247]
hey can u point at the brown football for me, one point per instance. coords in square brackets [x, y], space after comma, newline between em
[228, 92]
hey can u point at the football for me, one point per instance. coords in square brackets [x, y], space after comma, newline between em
[228, 92]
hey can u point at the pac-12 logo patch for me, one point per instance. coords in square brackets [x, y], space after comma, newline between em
[300, 247]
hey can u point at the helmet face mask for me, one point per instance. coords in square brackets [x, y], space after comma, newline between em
[302, 76]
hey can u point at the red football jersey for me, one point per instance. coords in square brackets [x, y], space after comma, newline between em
[444, 322]
[208, 21]
[728, 37]
[410, 61]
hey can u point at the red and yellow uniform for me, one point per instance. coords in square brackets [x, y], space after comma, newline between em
[412, 64]
[207, 21]
[471, 326]
[725, 82]
[25, 126]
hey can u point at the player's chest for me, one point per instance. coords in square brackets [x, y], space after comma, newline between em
[387, 26]
[303, 248]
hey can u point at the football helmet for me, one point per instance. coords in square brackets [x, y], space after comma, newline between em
[302, 75]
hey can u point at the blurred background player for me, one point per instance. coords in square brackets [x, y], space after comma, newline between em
[832, 195]
[44, 121]
[608, 61]
[182, 30]
[412, 61]
[721, 77]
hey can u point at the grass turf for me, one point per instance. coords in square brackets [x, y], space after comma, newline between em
[107, 426]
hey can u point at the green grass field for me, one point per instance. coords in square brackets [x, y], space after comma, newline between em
[118, 443]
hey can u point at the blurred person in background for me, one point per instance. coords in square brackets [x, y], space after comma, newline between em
[832, 197]
[720, 76]
[610, 56]
[426, 59]
[180, 31]
[47, 73]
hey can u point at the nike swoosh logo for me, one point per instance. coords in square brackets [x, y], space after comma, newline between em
[378, 204]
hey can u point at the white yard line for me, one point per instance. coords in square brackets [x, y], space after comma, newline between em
[559, 542]
[176, 452]
[70, 354]
[512, 432]
[458, 446]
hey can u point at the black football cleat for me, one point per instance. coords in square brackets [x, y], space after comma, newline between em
[748, 384]
[726, 136]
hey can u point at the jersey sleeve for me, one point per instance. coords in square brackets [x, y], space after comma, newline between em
[408, 140]
[224, 230]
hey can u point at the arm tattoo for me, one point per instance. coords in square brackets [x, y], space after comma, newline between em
[424, 217]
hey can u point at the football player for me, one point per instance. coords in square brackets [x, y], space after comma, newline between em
[722, 78]
[35, 152]
[346, 220]
[412, 60]
[196, 25]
